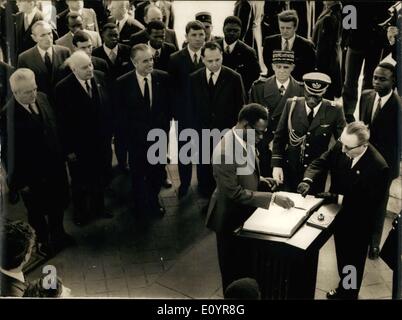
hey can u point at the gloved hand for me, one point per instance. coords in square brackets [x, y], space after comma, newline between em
[304, 187]
[328, 197]
[13, 197]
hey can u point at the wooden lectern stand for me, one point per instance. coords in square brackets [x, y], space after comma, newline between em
[286, 268]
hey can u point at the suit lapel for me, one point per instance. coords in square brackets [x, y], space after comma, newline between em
[221, 81]
[369, 107]
[155, 90]
[38, 60]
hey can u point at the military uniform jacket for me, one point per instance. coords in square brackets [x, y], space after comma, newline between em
[266, 92]
[328, 121]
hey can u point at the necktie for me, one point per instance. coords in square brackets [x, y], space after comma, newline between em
[89, 90]
[286, 45]
[26, 22]
[211, 85]
[48, 62]
[112, 56]
[118, 25]
[227, 50]
[282, 90]
[146, 93]
[310, 116]
[376, 111]
[195, 60]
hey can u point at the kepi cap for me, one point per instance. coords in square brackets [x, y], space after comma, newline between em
[316, 82]
[283, 56]
[203, 17]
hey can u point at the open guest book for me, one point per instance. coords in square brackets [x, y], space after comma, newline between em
[279, 221]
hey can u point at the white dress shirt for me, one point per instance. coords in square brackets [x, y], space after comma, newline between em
[122, 22]
[82, 82]
[30, 16]
[231, 46]
[356, 159]
[384, 100]
[285, 84]
[43, 52]
[214, 77]
[109, 51]
[315, 109]
[290, 41]
[192, 54]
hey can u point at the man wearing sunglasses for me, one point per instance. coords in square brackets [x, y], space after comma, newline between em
[359, 181]
[304, 132]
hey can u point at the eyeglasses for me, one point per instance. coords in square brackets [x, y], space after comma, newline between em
[350, 148]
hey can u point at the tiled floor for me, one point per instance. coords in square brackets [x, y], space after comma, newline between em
[170, 257]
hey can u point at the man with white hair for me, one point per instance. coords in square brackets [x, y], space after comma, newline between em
[45, 59]
[85, 128]
[34, 162]
[125, 23]
[153, 13]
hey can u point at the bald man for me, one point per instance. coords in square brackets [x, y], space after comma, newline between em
[85, 127]
[153, 13]
[125, 23]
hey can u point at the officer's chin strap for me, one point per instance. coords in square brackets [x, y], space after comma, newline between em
[294, 139]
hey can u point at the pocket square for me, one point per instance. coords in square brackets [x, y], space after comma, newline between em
[324, 125]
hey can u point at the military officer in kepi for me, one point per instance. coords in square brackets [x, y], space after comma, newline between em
[304, 132]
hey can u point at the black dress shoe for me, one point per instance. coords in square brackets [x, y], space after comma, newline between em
[167, 183]
[374, 253]
[182, 191]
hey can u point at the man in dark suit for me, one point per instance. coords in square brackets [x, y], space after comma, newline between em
[304, 132]
[181, 65]
[125, 23]
[117, 56]
[17, 240]
[364, 44]
[216, 97]
[289, 40]
[380, 109]
[83, 42]
[153, 13]
[143, 100]
[273, 93]
[5, 91]
[28, 127]
[359, 180]
[24, 20]
[86, 129]
[327, 35]
[45, 59]
[236, 54]
[88, 17]
[161, 50]
[76, 23]
[164, 6]
[238, 192]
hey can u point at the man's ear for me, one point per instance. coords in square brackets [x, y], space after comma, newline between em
[34, 38]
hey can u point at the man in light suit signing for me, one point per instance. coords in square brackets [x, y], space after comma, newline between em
[237, 192]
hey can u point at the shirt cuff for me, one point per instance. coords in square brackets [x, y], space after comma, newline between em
[340, 199]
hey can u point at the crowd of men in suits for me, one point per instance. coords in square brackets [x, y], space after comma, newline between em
[98, 79]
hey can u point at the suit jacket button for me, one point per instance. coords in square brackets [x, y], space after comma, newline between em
[305, 165]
